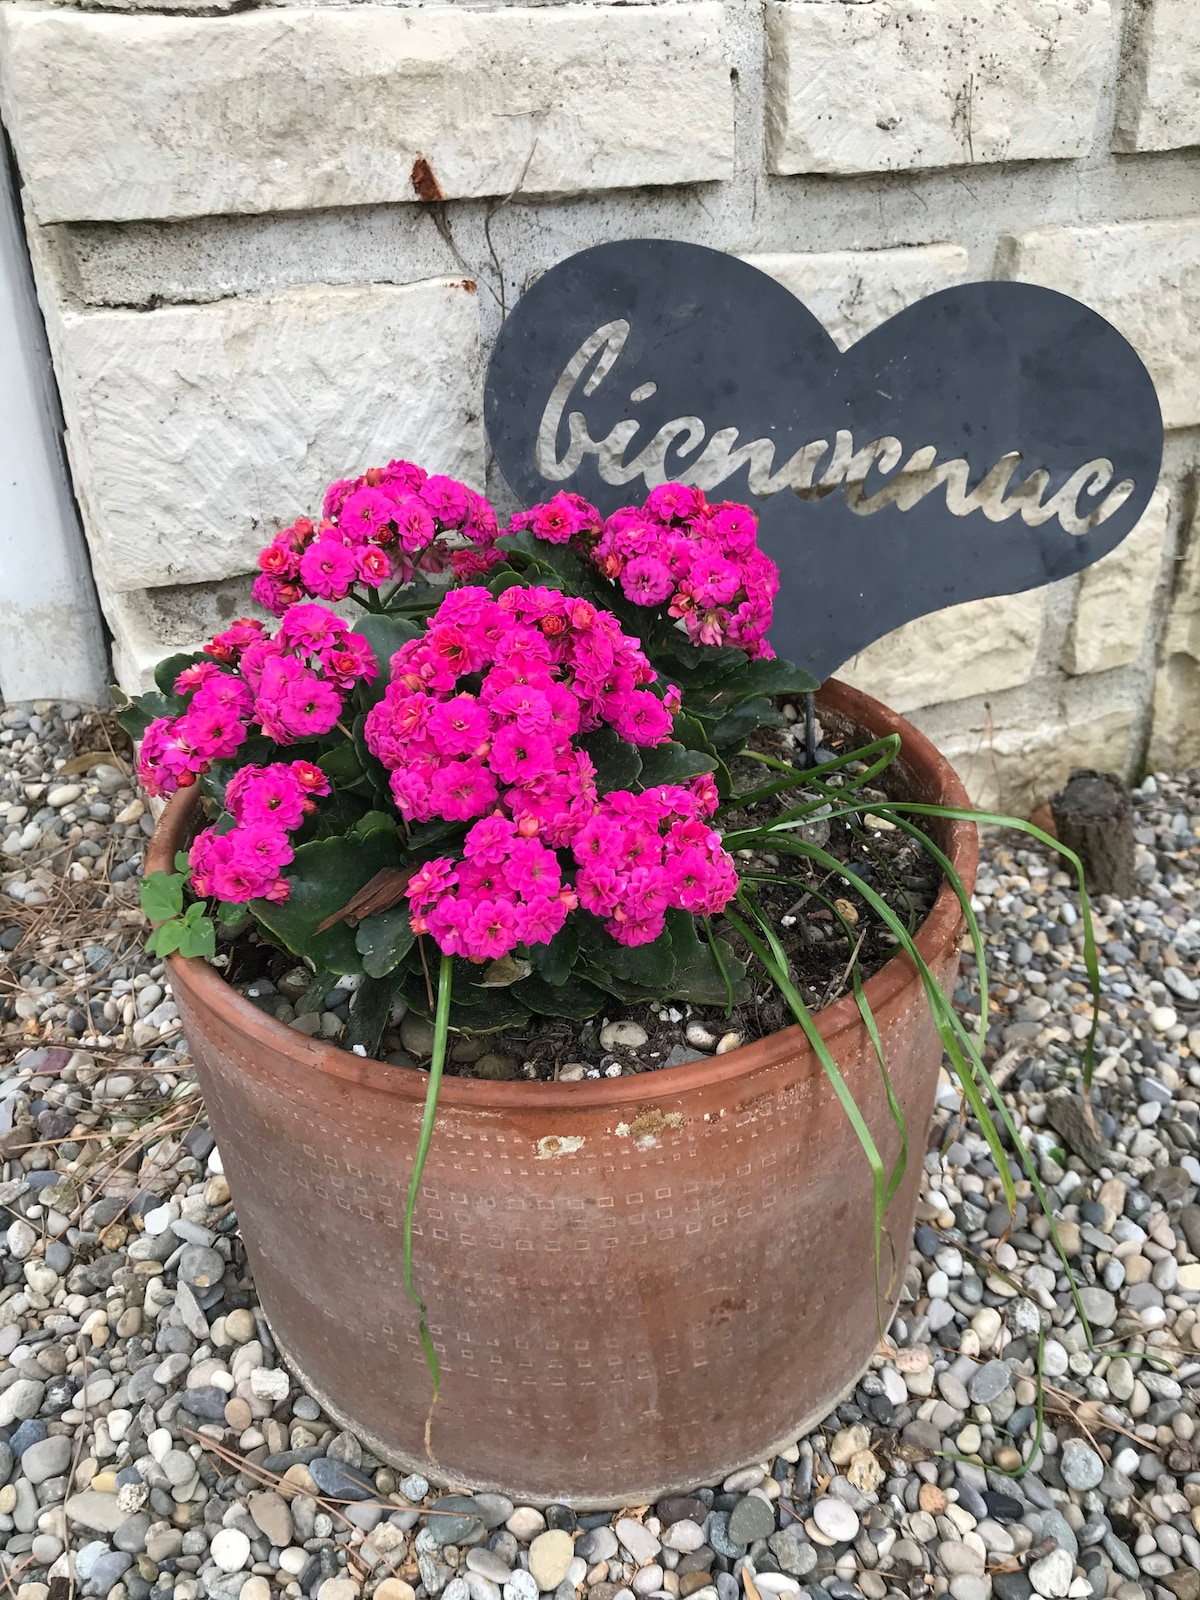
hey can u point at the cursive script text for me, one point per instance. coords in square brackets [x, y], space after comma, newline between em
[706, 460]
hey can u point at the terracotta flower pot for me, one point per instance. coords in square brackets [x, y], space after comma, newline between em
[636, 1284]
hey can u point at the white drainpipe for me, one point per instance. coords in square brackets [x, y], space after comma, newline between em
[52, 642]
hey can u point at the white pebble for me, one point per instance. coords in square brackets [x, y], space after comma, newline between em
[623, 1035]
[230, 1549]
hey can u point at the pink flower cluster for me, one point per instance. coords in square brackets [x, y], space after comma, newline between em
[642, 855]
[381, 528]
[292, 685]
[638, 856]
[699, 561]
[508, 890]
[266, 803]
[542, 667]
[559, 521]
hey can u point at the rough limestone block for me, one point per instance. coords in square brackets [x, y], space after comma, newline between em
[118, 117]
[853, 291]
[1159, 105]
[195, 431]
[150, 624]
[1116, 596]
[978, 647]
[1175, 729]
[1014, 769]
[895, 84]
[1145, 278]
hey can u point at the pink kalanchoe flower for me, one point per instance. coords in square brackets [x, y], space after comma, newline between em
[266, 803]
[447, 499]
[351, 660]
[460, 790]
[415, 525]
[228, 646]
[328, 567]
[311, 627]
[364, 512]
[192, 677]
[403, 477]
[281, 558]
[699, 561]
[293, 702]
[372, 566]
[674, 502]
[282, 793]
[165, 762]
[274, 594]
[337, 494]
[459, 726]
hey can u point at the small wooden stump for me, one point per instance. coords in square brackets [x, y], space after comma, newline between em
[1094, 817]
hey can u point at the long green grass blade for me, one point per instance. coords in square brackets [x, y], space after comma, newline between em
[967, 1060]
[715, 946]
[894, 1106]
[774, 960]
[441, 1029]
[995, 819]
[938, 1004]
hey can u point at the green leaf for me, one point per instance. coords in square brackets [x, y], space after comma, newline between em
[650, 965]
[776, 677]
[673, 763]
[692, 733]
[167, 671]
[257, 751]
[376, 775]
[703, 664]
[441, 1028]
[504, 579]
[166, 938]
[430, 837]
[552, 962]
[617, 762]
[567, 570]
[324, 876]
[136, 715]
[232, 918]
[373, 822]
[414, 600]
[482, 1011]
[732, 731]
[385, 634]
[319, 987]
[162, 895]
[504, 971]
[384, 940]
[698, 976]
[182, 862]
[368, 1013]
[198, 933]
[630, 994]
[342, 766]
[575, 999]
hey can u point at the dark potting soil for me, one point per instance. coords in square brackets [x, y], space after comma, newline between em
[800, 902]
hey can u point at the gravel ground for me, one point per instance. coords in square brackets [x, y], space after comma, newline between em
[151, 1446]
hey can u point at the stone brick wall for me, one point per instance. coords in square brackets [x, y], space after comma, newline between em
[273, 246]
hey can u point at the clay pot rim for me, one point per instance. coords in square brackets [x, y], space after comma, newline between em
[204, 986]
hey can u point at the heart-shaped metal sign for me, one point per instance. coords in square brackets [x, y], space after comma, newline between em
[991, 438]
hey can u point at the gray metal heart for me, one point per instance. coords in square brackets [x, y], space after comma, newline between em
[991, 438]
